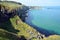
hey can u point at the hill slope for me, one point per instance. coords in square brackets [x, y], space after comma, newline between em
[11, 25]
[52, 37]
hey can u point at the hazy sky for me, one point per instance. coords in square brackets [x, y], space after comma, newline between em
[39, 2]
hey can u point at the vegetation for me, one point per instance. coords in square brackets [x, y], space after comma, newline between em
[14, 28]
[11, 5]
[52, 37]
[5, 35]
[14, 25]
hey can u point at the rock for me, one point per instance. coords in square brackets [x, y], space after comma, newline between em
[22, 38]
[4, 14]
[17, 22]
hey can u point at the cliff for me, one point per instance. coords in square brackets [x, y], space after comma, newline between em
[12, 26]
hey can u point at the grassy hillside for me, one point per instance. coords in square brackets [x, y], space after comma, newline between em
[52, 37]
[5, 35]
[21, 29]
[14, 28]
[10, 5]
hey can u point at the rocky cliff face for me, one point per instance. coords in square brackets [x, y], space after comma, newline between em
[22, 12]
[5, 14]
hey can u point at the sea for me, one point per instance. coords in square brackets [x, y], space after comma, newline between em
[46, 20]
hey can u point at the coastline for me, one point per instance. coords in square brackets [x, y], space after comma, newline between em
[41, 30]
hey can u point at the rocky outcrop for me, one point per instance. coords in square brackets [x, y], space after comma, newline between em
[4, 14]
[22, 12]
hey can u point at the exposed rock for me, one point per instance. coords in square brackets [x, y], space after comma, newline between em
[3, 16]
[17, 21]
[22, 38]
[22, 12]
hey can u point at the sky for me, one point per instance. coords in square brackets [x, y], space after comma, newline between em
[39, 2]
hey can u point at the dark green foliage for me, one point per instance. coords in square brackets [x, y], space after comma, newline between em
[8, 26]
[8, 35]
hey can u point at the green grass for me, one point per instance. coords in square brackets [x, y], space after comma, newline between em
[5, 35]
[22, 27]
[52, 37]
[10, 6]
[1, 38]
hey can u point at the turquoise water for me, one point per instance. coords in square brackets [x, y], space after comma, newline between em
[47, 18]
